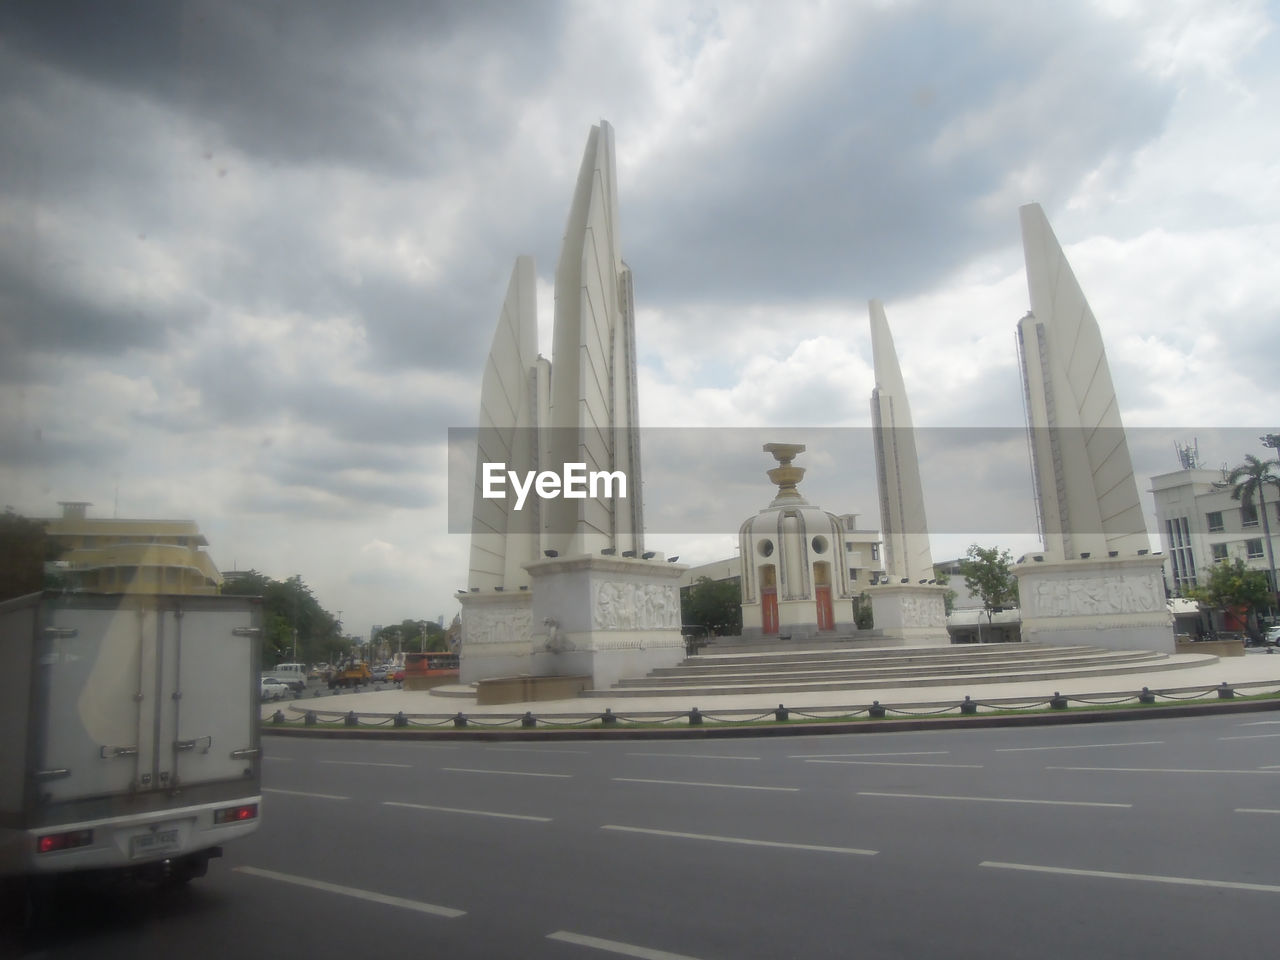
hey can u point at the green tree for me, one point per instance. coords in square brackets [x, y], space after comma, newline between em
[413, 636]
[24, 550]
[714, 604]
[988, 573]
[863, 618]
[1249, 481]
[948, 598]
[1233, 587]
[293, 618]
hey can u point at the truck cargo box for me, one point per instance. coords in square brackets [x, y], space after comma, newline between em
[131, 730]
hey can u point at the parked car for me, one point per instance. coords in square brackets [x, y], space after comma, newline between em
[1272, 635]
[379, 673]
[270, 688]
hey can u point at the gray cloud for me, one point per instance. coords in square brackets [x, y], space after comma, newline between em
[839, 185]
[309, 82]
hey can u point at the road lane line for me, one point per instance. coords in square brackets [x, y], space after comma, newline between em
[304, 793]
[1082, 746]
[698, 783]
[366, 763]
[1259, 723]
[744, 841]
[1159, 770]
[474, 813]
[510, 773]
[1146, 877]
[896, 753]
[694, 756]
[616, 946]
[1255, 810]
[1252, 736]
[899, 763]
[942, 796]
[354, 892]
[535, 750]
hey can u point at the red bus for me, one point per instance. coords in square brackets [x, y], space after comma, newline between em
[425, 670]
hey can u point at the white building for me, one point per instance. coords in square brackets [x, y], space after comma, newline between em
[1200, 525]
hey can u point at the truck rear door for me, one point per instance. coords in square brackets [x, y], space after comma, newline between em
[142, 694]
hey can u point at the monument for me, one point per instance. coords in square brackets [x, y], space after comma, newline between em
[559, 580]
[795, 577]
[908, 603]
[1096, 582]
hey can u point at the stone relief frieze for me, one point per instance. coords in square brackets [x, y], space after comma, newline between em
[618, 605]
[1096, 596]
[496, 626]
[923, 612]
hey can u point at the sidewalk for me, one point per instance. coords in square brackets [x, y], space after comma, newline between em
[1256, 672]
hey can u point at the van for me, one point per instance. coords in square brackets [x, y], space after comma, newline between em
[294, 674]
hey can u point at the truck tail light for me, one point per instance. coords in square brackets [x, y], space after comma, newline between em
[245, 811]
[52, 842]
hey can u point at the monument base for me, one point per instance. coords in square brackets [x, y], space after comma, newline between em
[495, 635]
[609, 618]
[913, 613]
[1117, 603]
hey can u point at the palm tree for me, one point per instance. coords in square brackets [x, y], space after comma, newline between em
[1251, 479]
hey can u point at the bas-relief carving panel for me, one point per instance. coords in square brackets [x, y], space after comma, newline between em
[493, 626]
[634, 606]
[1089, 596]
[923, 612]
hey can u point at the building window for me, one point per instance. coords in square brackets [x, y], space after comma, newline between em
[1219, 551]
[875, 551]
[1249, 515]
[1253, 548]
[1214, 519]
[853, 573]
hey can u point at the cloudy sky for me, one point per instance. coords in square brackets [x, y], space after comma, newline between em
[252, 253]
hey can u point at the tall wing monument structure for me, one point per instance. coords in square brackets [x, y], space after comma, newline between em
[911, 605]
[561, 585]
[594, 410]
[1096, 581]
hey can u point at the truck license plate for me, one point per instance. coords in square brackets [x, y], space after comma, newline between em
[154, 843]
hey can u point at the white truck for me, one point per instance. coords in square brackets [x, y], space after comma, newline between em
[130, 732]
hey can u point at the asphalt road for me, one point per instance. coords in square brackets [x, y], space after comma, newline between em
[1134, 839]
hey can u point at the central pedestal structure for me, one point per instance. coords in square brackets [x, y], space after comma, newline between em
[1117, 603]
[604, 617]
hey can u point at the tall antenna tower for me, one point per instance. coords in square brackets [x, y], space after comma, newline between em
[1189, 454]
